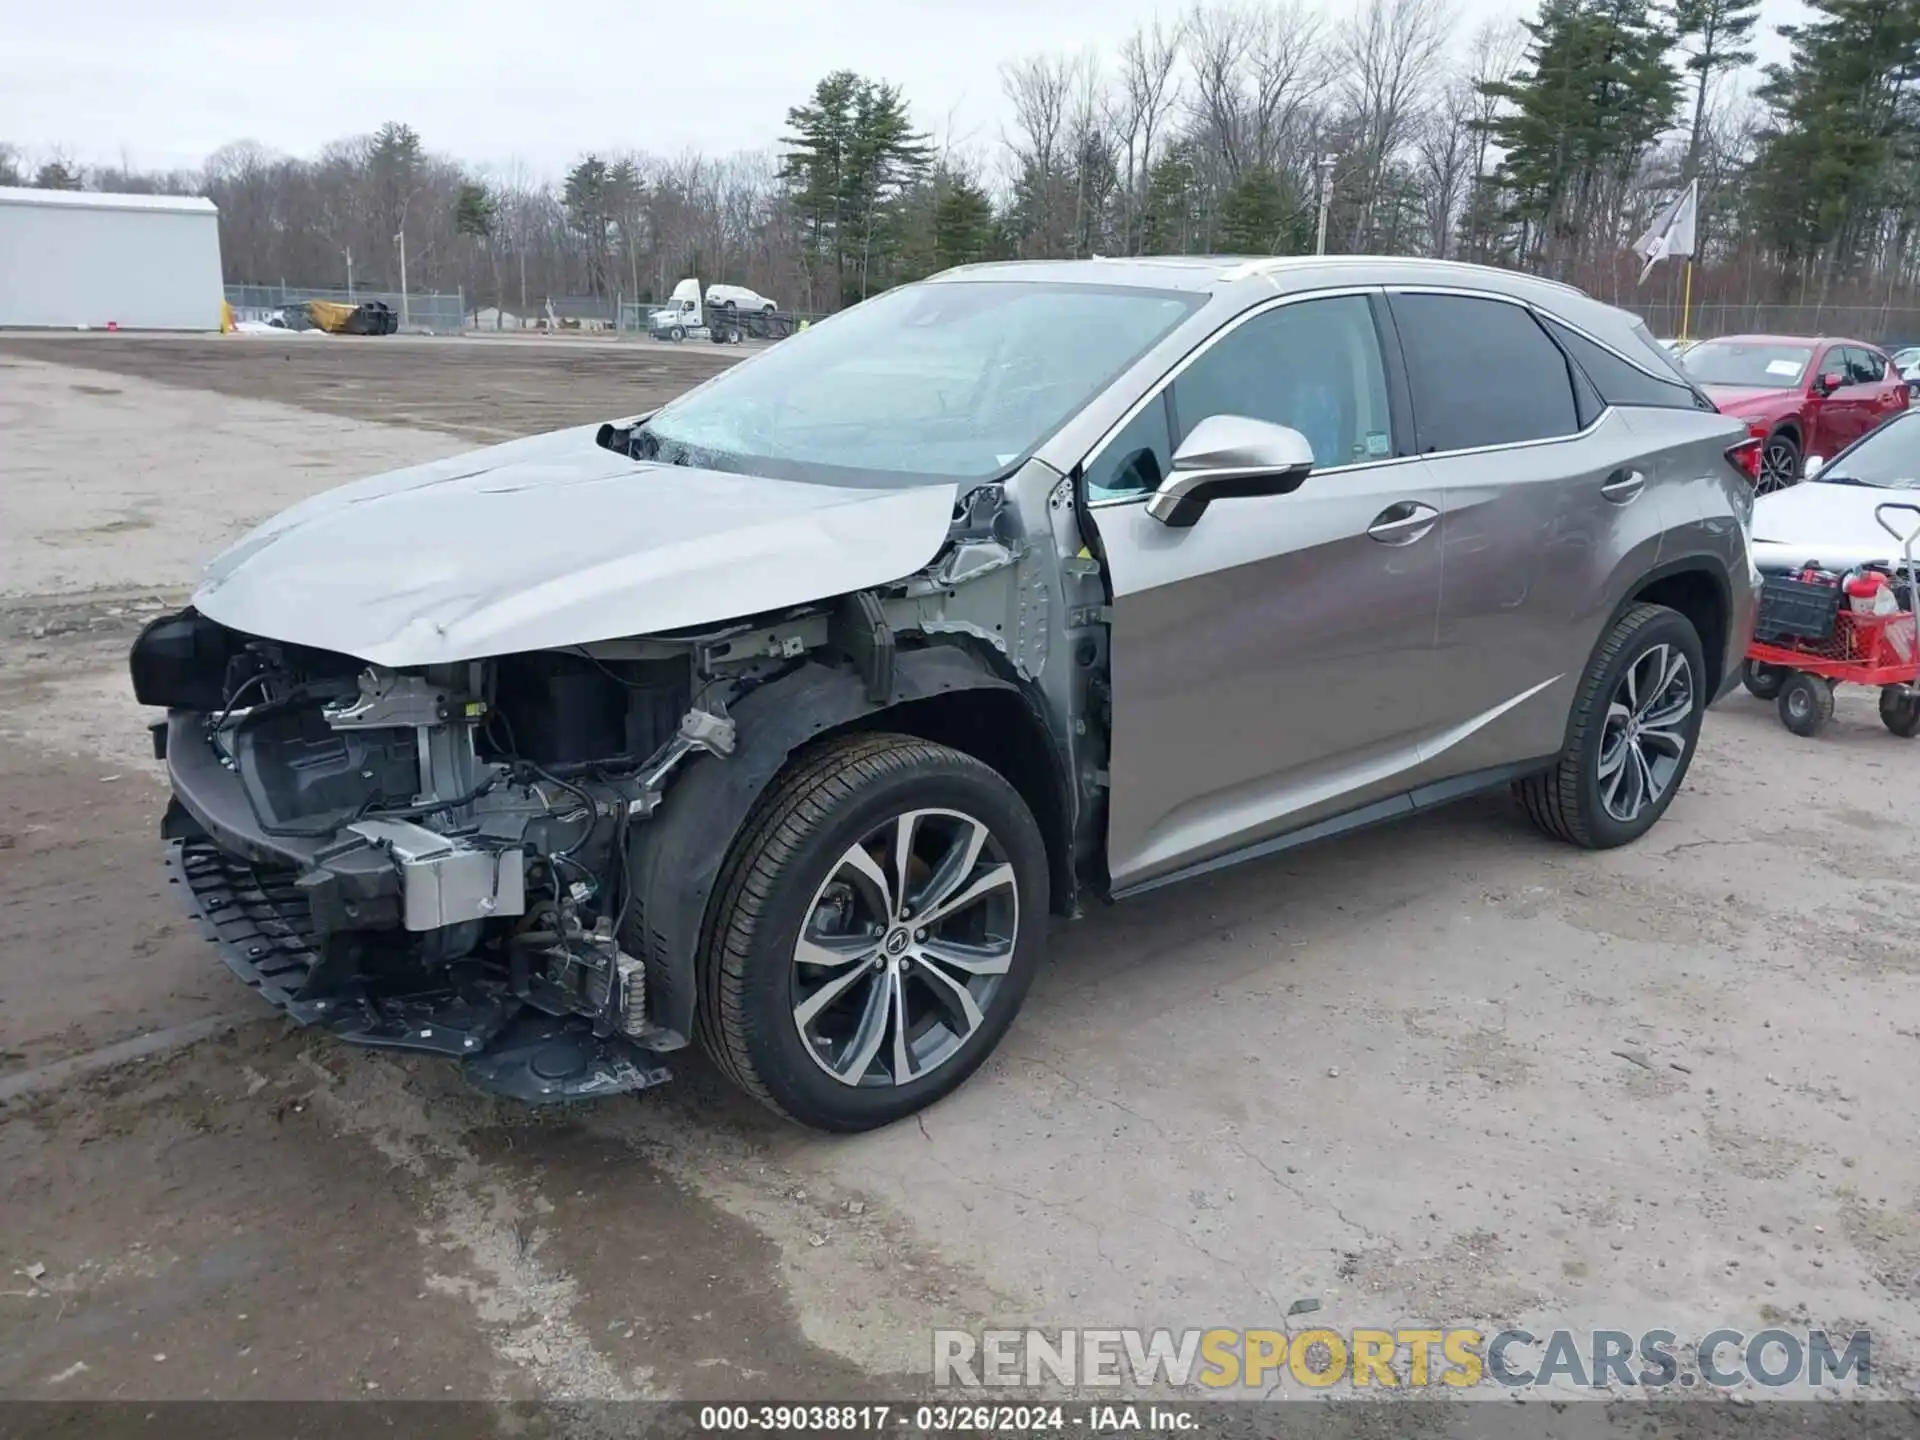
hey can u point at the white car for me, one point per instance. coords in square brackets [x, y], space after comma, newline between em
[737, 297]
[1828, 519]
[1907, 362]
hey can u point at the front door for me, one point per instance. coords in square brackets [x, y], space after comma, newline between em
[1270, 665]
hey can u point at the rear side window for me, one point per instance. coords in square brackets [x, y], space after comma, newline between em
[1483, 373]
[1865, 368]
[1620, 383]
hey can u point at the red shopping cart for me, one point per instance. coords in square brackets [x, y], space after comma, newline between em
[1817, 630]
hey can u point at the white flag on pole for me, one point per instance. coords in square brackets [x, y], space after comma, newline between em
[1672, 234]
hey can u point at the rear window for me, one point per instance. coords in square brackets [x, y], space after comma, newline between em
[1620, 383]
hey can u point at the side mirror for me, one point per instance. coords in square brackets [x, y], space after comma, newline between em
[1830, 382]
[1813, 466]
[1230, 457]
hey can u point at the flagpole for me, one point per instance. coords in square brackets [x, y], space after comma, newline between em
[1686, 304]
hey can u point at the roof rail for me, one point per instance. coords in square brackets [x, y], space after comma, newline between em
[1267, 265]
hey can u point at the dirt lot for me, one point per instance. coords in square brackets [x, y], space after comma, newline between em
[1442, 1073]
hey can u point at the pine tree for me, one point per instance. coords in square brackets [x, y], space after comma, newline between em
[588, 201]
[962, 222]
[1170, 217]
[56, 175]
[1256, 215]
[1714, 34]
[1597, 92]
[852, 153]
[1841, 149]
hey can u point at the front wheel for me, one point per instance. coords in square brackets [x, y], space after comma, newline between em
[879, 923]
[1635, 723]
[677, 334]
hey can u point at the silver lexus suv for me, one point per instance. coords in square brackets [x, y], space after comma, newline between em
[782, 717]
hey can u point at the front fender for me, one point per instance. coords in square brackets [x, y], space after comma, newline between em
[677, 855]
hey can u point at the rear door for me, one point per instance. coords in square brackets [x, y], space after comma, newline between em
[1882, 391]
[1545, 494]
[1270, 663]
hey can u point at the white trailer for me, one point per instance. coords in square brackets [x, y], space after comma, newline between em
[72, 259]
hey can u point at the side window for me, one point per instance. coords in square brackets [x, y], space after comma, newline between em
[1865, 368]
[1314, 366]
[1483, 373]
[1136, 460]
[1620, 383]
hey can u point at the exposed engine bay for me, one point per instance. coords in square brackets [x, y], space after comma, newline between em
[440, 858]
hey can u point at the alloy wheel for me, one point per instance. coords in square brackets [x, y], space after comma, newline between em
[1645, 737]
[1779, 467]
[903, 947]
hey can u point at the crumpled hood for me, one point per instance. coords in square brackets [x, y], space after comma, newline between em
[1738, 400]
[1829, 525]
[554, 541]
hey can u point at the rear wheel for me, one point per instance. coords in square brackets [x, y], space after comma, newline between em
[1635, 723]
[1900, 710]
[1780, 463]
[878, 926]
[1763, 682]
[1806, 703]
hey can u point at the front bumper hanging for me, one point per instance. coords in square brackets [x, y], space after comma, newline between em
[260, 921]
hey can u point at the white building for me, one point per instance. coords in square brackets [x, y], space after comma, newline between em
[69, 258]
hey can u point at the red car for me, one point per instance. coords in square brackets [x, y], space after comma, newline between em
[1803, 397]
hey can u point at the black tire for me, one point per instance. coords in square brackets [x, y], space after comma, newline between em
[1567, 801]
[1900, 710]
[829, 801]
[1781, 463]
[676, 333]
[1806, 703]
[1763, 682]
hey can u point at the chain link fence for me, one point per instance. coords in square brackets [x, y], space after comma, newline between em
[439, 312]
[1887, 326]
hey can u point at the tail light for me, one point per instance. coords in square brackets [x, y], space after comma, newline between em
[1746, 456]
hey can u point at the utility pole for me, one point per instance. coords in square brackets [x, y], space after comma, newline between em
[1326, 203]
[401, 238]
[349, 277]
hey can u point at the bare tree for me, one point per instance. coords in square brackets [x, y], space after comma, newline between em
[1494, 55]
[1443, 150]
[1042, 90]
[1286, 73]
[1388, 53]
[1147, 93]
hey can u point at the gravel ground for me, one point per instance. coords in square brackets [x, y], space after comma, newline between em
[1445, 1072]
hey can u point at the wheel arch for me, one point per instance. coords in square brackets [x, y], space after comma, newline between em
[943, 693]
[1697, 588]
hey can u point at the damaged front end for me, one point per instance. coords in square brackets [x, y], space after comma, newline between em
[515, 860]
[430, 860]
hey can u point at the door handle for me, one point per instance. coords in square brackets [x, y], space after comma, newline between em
[1404, 523]
[1623, 485]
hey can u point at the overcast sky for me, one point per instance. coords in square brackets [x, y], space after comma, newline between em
[497, 81]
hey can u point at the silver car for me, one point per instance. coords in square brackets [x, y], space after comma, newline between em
[782, 717]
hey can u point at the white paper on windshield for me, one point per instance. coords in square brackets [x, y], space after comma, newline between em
[1783, 367]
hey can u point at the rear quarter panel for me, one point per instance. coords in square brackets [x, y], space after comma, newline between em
[1707, 507]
